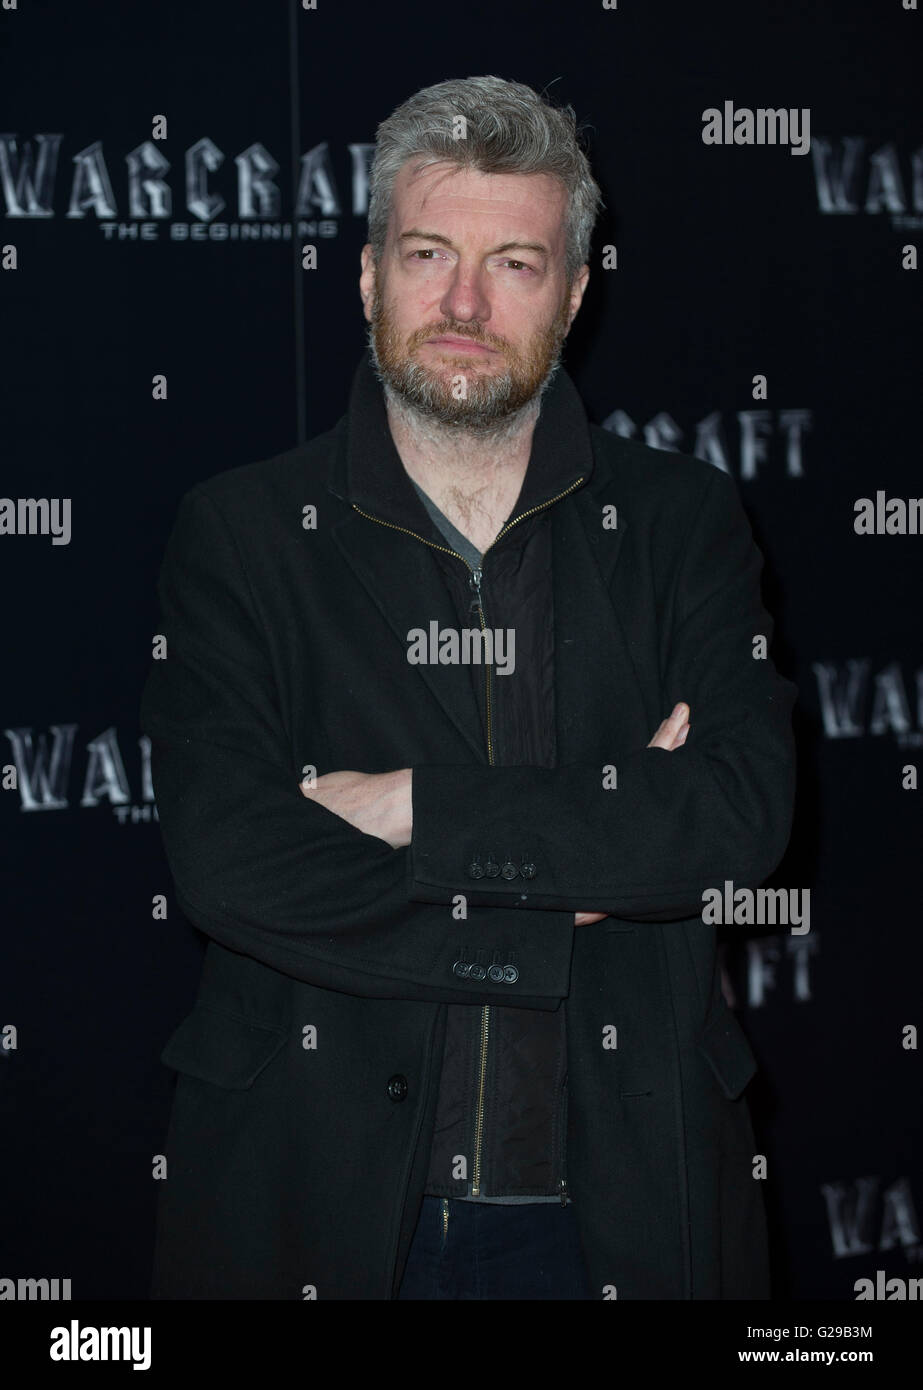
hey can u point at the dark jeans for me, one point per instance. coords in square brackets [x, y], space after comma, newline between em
[495, 1252]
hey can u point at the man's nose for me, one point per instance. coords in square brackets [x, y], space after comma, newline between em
[466, 298]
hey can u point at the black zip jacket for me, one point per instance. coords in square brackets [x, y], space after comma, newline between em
[501, 1116]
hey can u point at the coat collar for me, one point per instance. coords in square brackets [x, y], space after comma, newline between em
[366, 470]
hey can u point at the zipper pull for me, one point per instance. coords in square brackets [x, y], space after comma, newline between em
[474, 582]
[563, 1192]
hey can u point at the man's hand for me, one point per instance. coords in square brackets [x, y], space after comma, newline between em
[377, 803]
[671, 734]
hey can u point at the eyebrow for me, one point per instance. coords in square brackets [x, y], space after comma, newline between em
[415, 234]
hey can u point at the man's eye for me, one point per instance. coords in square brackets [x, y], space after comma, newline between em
[431, 251]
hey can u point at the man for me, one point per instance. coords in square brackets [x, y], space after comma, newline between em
[460, 1031]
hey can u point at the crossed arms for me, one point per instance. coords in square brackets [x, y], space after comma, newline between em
[381, 803]
[347, 887]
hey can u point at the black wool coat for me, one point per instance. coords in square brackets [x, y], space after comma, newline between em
[308, 1070]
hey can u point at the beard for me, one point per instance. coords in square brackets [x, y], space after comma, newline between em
[494, 404]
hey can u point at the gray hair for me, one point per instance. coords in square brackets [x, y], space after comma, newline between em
[510, 129]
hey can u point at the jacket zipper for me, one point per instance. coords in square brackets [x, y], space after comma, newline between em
[563, 1183]
[479, 1122]
[474, 580]
[476, 575]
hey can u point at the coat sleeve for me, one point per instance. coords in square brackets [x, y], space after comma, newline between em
[717, 808]
[259, 867]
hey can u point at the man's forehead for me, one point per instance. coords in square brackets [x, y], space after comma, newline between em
[446, 188]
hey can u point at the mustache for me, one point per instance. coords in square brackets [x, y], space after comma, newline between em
[445, 330]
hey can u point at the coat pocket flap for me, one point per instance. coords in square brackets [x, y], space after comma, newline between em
[222, 1049]
[724, 1046]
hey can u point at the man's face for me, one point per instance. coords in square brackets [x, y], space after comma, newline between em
[470, 305]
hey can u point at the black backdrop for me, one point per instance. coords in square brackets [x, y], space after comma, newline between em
[732, 261]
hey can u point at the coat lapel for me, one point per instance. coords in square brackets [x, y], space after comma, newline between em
[598, 697]
[402, 579]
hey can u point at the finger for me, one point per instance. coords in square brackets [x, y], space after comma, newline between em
[670, 729]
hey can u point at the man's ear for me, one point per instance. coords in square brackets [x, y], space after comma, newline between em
[367, 280]
[577, 292]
